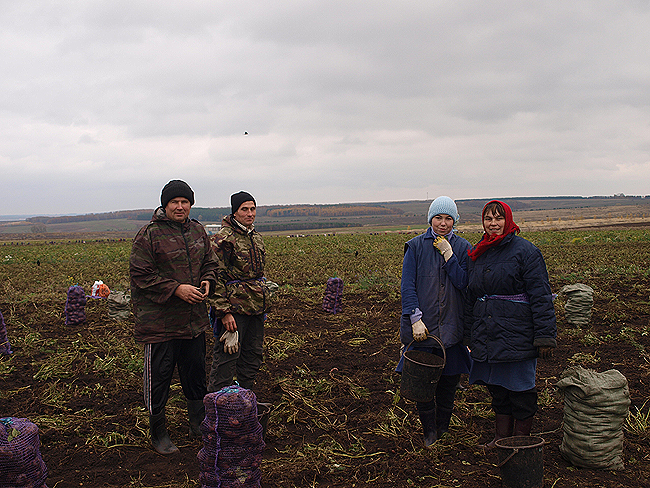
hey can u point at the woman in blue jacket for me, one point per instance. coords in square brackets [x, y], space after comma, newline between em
[510, 319]
[434, 277]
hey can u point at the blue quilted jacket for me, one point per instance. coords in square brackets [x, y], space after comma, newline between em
[499, 329]
[435, 287]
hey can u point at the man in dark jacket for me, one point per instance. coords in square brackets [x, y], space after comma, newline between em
[241, 298]
[172, 268]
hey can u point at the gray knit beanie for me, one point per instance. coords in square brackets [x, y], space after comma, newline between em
[443, 205]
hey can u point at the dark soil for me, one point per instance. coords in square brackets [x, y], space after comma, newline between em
[457, 459]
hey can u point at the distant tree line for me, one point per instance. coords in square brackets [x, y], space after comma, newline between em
[64, 219]
[205, 214]
[330, 211]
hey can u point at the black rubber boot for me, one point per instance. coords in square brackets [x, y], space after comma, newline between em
[428, 420]
[443, 417]
[503, 427]
[196, 413]
[159, 435]
[523, 427]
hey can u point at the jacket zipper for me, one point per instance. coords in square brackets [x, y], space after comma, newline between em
[189, 262]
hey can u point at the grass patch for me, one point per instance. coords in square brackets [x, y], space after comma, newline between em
[638, 422]
[584, 358]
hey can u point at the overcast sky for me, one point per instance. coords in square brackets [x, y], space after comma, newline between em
[103, 102]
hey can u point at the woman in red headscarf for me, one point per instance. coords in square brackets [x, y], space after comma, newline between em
[510, 320]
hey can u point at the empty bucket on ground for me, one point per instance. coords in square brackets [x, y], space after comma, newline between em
[521, 462]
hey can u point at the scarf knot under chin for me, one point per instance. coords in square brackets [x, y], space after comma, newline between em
[488, 241]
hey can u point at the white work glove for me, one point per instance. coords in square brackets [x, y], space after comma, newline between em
[420, 331]
[230, 341]
[444, 247]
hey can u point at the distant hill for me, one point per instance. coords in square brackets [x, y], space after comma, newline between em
[370, 216]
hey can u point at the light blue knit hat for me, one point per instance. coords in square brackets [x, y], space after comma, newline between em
[443, 205]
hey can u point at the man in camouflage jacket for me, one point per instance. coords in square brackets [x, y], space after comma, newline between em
[241, 298]
[173, 268]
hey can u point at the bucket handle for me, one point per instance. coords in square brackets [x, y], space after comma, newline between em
[514, 451]
[442, 346]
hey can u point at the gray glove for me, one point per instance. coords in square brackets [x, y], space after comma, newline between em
[443, 247]
[420, 331]
[230, 341]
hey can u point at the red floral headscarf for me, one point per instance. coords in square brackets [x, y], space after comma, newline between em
[488, 241]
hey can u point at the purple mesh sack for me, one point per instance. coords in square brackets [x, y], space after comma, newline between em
[333, 295]
[232, 440]
[21, 463]
[75, 306]
[5, 346]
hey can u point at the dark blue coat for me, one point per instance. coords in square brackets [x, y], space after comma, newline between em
[436, 287]
[503, 330]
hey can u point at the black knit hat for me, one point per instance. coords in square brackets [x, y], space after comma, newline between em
[238, 198]
[174, 189]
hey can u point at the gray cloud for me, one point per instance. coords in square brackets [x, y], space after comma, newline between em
[103, 102]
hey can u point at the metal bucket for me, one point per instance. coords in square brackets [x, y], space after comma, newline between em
[521, 462]
[421, 372]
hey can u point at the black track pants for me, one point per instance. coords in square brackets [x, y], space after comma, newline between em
[161, 358]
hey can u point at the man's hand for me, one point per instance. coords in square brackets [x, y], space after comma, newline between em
[545, 352]
[230, 342]
[420, 331]
[229, 323]
[190, 293]
[205, 288]
[443, 247]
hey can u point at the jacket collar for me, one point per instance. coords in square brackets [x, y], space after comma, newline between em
[238, 226]
[432, 235]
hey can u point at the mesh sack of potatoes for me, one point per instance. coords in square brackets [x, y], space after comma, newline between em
[333, 295]
[5, 346]
[21, 463]
[232, 440]
[75, 305]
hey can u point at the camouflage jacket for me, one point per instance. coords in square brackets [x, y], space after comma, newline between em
[166, 254]
[241, 288]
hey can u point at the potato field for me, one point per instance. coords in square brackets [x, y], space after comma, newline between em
[337, 418]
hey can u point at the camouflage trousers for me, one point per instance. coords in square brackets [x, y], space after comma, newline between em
[244, 364]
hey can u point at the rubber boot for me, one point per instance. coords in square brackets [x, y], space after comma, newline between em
[159, 435]
[523, 427]
[196, 413]
[503, 427]
[443, 417]
[428, 420]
